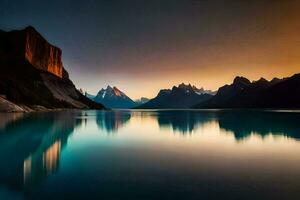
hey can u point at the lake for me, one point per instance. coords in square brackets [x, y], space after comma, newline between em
[153, 154]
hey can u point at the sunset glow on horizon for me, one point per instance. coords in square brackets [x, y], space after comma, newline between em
[142, 47]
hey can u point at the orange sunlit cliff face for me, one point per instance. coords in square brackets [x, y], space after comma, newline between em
[41, 54]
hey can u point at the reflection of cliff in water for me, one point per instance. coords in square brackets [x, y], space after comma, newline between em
[183, 121]
[245, 123]
[30, 147]
[111, 121]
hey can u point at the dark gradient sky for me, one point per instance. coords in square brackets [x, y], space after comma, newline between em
[144, 45]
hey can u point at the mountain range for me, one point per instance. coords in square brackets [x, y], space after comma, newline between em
[32, 76]
[181, 96]
[112, 97]
[242, 93]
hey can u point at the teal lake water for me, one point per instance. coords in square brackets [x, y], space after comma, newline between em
[167, 154]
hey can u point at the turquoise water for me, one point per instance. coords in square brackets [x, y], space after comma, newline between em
[167, 154]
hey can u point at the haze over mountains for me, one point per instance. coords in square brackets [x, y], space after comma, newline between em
[32, 76]
[141, 101]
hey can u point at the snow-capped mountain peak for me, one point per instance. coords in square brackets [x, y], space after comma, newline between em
[112, 97]
[110, 91]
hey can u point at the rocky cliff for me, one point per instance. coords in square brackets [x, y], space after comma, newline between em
[41, 54]
[30, 45]
[32, 76]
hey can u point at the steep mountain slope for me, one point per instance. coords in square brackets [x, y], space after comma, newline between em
[277, 93]
[112, 97]
[7, 106]
[32, 75]
[90, 96]
[183, 96]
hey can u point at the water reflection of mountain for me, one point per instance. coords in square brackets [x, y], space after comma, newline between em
[245, 123]
[241, 123]
[183, 121]
[30, 147]
[111, 121]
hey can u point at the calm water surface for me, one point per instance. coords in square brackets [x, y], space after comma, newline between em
[153, 154]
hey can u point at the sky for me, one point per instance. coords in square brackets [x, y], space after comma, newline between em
[142, 46]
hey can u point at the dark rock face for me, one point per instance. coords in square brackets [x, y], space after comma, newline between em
[28, 44]
[41, 54]
[7, 106]
[239, 80]
[31, 73]
[183, 96]
[277, 93]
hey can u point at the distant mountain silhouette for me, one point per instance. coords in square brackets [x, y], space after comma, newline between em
[32, 75]
[183, 96]
[112, 97]
[141, 101]
[277, 93]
